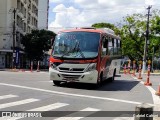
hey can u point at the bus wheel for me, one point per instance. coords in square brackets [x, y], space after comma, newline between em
[99, 81]
[113, 77]
[57, 83]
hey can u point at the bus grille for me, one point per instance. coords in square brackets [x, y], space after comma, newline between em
[62, 69]
[71, 77]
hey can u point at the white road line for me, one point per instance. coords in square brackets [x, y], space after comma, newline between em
[77, 118]
[156, 99]
[49, 107]
[124, 118]
[7, 96]
[70, 94]
[21, 102]
[44, 108]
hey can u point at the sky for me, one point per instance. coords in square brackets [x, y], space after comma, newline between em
[83, 13]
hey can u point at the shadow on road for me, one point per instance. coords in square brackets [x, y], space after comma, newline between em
[117, 85]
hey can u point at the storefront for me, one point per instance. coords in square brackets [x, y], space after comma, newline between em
[6, 59]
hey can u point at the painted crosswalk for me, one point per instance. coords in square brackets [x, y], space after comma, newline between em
[7, 96]
[44, 108]
[49, 107]
[76, 114]
[21, 102]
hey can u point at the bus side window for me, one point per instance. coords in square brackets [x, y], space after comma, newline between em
[104, 46]
[110, 46]
[115, 47]
[119, 47]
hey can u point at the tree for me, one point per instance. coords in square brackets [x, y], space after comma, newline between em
[133, 35]
[36, 43]
[107, 25]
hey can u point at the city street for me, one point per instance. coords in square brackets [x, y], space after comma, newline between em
[26, 91]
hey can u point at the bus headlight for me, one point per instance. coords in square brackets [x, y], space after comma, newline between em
[91, 67]
[53, 66]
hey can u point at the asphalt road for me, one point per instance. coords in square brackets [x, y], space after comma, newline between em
[25, 91]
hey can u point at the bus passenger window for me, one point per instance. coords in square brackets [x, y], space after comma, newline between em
[104, 46]
[110, 46]
[115, 47]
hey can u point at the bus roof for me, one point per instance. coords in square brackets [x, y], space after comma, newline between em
[106, 31]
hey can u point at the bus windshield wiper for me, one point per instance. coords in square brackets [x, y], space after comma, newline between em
[80, 51]
[75, 49]
[70, 51]
[66, 53]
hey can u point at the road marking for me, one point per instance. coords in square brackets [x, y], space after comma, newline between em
[156, 99]
[76, 114]
[21, 102]
[124, 118]
[49, 107]
[44, 108]
[7, 96]
[75, 95]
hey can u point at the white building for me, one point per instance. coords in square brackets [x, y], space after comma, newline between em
[43, 9]
[26, 19]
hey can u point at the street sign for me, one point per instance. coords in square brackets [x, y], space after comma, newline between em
[17, 56]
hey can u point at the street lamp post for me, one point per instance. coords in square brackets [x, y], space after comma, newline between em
[146, 40]
[14, 35]
[152, 59]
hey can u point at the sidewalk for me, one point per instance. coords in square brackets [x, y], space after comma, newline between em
[152, 74]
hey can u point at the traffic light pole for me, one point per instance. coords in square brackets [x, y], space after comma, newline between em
[146, 41]
[14, 35]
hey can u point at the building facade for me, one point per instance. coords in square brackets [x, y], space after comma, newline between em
[43, 11]
[17, 17]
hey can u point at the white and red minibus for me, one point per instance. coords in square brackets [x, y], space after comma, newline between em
[86, 55]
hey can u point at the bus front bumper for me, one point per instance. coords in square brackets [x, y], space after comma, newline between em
[86, 77]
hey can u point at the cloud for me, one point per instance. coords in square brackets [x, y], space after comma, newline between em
[56, 1]
[84, 13]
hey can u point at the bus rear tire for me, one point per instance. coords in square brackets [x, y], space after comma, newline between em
[113, 77]
[99, 81]
[57, 83]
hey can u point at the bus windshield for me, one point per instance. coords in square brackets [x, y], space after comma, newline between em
[76, 45]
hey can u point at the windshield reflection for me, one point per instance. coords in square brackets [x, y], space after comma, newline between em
[76, 45]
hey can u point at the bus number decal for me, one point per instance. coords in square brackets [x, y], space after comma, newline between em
[70, 37]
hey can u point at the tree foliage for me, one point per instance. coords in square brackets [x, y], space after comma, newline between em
[36, 43]
[133, 35]
[107, 25]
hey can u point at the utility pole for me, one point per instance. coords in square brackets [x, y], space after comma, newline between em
[146, 40]
[14, 35]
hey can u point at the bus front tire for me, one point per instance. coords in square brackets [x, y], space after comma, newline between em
[57, 83]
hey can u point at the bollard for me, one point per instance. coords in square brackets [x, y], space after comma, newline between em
[134, 67]
[125, 69]
[158, 92]
[23, 70]
[143, 112]
[129, 67]
[38, 67]
[140, 77]
[31, 66]
[148, 80]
